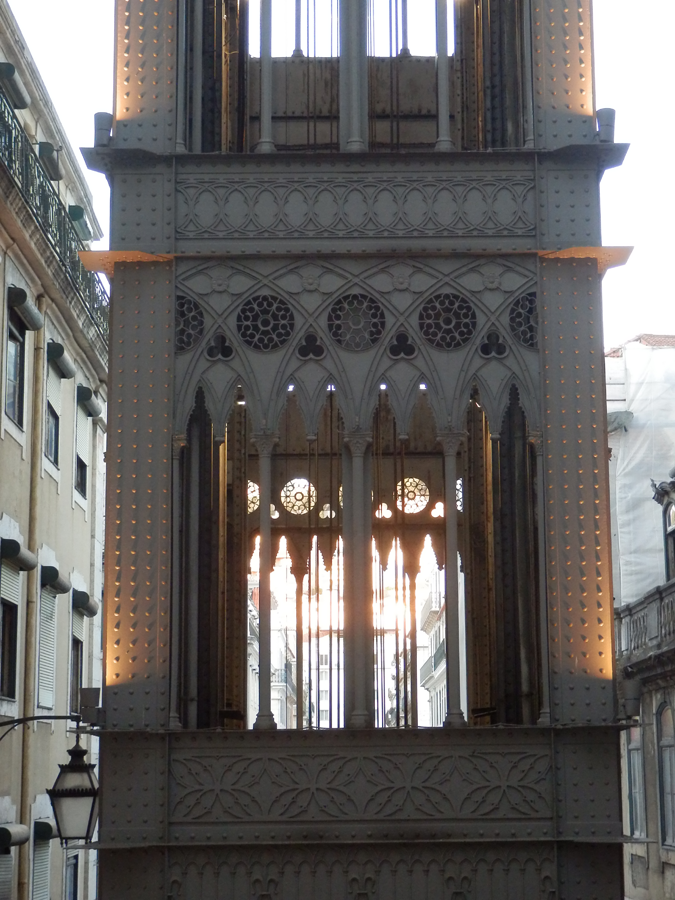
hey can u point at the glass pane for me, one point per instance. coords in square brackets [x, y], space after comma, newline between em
[667, 734]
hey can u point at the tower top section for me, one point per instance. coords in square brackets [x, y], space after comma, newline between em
[241, 76]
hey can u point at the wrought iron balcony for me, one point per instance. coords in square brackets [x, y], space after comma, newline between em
[646, 627]
[20, 160]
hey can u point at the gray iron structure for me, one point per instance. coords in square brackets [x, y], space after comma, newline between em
[501, 810]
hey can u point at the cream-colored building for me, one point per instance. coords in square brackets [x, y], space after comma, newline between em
[53, 360]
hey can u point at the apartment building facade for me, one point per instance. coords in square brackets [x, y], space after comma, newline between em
[53, 364]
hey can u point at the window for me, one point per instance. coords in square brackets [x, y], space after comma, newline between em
[16, 357]
[76, 645]
[46, 649]
[669, 517]
[52, 435]
[72, 872]
[53, 414]
[82, 441]
[6, 873]
[41, 864]
[667, 763]
[9, 591]
[636, 783]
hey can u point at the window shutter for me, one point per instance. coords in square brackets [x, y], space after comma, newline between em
[83, 434]
[10, 583]
[47, 649]
[41, 860]
[78, 624]
[54, 388]
[6, 871]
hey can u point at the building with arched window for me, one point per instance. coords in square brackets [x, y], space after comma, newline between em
[357, 276]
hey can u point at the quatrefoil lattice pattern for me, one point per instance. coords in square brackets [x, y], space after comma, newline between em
[189, 323]
[356, 322]
[447, 321]
[265, 322]
[523, 320]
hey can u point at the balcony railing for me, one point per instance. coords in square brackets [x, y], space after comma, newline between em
[647, 626]
[22, 163]
[430, 665]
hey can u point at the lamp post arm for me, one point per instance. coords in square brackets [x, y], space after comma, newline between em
[13, 723]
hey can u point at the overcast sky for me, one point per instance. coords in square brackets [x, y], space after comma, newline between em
[72, 44]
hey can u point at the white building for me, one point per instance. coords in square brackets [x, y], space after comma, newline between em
[53, 363]
[641, 418]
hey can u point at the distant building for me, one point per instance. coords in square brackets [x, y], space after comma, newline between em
[641, 418]
[53, 363]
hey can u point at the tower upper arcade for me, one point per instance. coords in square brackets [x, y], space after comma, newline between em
[518, 76]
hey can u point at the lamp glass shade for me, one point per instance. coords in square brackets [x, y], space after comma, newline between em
[74, 797]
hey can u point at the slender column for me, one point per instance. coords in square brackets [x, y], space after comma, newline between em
[443, 141]
[353, 75]
[544, 719]
[197, 75]
[450, 441]
[265, 144]
[175, 629]
[192, 580]
[298, 29]
[405, 49]
[181, 112]
[528, 74]
[265, 444]
[361, 605]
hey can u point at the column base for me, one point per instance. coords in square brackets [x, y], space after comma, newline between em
[175, 723]
[455, 720]
[544, 719]
[265, 147]
[297, 53]
[444, 145]
[360, 720]
[355, 145]
[265, 722]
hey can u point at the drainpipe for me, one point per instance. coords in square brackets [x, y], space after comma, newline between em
[32, 588]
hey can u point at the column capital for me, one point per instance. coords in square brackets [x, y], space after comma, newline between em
[537, 439]
[450, 441]
[264, 442]
[178, 441]
[358, 442]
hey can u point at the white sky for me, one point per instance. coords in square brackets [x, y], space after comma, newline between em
[72, 44]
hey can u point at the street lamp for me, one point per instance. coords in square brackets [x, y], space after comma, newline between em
[75, 797]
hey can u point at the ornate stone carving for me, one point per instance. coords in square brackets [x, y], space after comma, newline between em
[447, 321]
[523, 319]
[358, 442]
[493, 347]
[355, 205]
[265, 322]
[451, 441]
[189, 323]
[265, 442]
[269, 786]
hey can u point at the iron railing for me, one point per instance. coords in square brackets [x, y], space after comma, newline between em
[22, 163]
